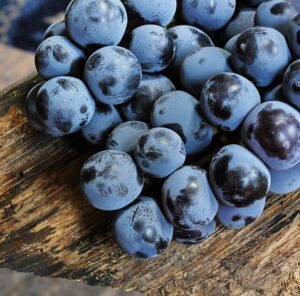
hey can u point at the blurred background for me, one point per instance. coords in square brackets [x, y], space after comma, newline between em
[22, 25]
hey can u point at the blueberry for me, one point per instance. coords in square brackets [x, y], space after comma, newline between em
[96, 23]
[231, 42]
[56, 29]
[272, 131]
[236, 218]
[187, 39]
[194, 236]
[58, 56]
[208, 15]
[179, 111]
[159, 12]
[238, 177]
[188, 200]
[285, 182]
[261, 55]
[151, 88]
[243, 20]
[113, 74]
[126, 135]
[33, 116]
[291, 84]
[227, 99]
[141, 230]
[202, 65]
[153, 46]
[294, 36]
[105, 119]
[110, 180]
[65, 105]
[274, 94]
[276, 14]
[160, 152]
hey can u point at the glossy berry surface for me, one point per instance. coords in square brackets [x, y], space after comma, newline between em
[236, 218]
[272, 132]
[188, 200]
[56, 29]
[208, 15]
[238, 177]
[276, 14]
[172, 111]
[243, 20]
[160, 152]
[227, 99]
[291, 84]
[58, 56]
[187, 39]
[96, 23]
[261, 55]
[141, 230]
[113, 74]
[194, 236]
[151, 88]
[159, 12]
[105, 119]
[65, 105]
[110, 180]
[33, 116]
[126, 135]
[294, 36]
[198, 67]
[153, 46]
[285, 182]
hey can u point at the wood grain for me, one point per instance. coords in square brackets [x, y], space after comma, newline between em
[47, 228]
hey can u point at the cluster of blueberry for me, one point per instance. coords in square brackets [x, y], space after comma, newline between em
[109, 69]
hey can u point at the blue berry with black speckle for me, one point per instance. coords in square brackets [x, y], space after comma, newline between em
[187, 39]
[33, 116]
[237, 218]
[180, 112]
[113, 74]
[194, 236]
[142, 230]
[261, 55]
[151, 88]
[208, 15]
[276, 14]
[110, 180]
[188, 200]
[227, 99]
[238, 177]
[198, 67]
[126, 135]
[96, 23]
[105, 119]
[65, 105]
[58, 56]
[230, 43]
[153, 46]
[160, 152]
[272, 132]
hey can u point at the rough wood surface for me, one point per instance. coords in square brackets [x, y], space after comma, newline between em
[47, 228]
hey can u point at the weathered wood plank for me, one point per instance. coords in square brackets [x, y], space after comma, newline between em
[47, 228]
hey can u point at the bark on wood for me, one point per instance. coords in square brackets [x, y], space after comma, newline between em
[47, 228]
